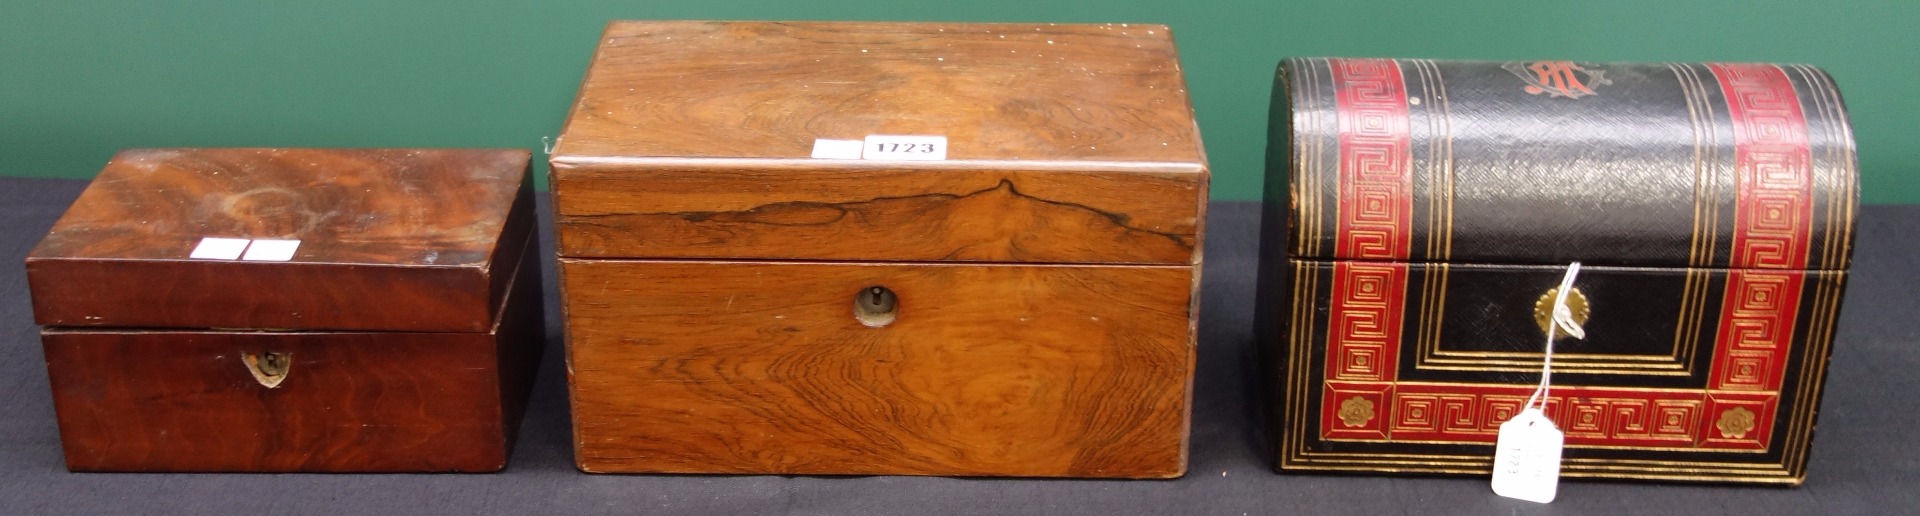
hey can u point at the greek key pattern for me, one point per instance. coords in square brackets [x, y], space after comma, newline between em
[1590, 416]
[1774, 174]
[1375, 169]
[1375, 219]
[1756, 327]
[1773, 219]
[1375, 222]
[1363, 339]
[1773, 213]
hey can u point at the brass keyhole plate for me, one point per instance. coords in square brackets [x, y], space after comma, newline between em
[1576, 303]
[268, 368]
[875, 306]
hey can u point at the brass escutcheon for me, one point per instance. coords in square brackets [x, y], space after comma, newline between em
[268, 368]
[875, 306]
[1576, 303]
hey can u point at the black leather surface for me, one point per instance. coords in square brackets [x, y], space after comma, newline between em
[1861, 464]
[1609, 177]
[1501, 174]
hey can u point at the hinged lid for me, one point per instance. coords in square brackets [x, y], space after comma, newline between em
[1062, 143]
[1701, 165]
[348, 239]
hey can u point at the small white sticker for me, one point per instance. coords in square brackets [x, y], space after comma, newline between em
[1526, 460]
[905, 148]
[837, 149]
[212, 248]
[271, 250]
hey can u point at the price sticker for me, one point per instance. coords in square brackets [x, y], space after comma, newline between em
[264, 250]
[244, 249]
[905, 148]
[837, 149]
[1526, 460]
[213, 248]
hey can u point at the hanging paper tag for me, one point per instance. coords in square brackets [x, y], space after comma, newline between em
[1526, 462]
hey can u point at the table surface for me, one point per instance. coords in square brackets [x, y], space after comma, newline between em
[1863, 458]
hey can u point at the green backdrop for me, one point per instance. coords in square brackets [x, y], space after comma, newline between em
[80, 79]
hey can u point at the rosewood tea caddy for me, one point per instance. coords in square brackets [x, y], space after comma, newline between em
[881, 248]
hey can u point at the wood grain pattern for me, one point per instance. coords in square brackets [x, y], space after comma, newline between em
[1067, 144]
[981, 215]
[1012, 92]
[183, 401]
[520, 338]
[415, 228]
[1045, 270]
[761, 367]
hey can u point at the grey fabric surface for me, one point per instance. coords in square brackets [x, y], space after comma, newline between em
[1864, 456]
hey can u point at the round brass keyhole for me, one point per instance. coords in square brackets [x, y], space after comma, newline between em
[875, 306]
[1576, 304]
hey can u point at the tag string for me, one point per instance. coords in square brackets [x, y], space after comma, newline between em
[1562, 319]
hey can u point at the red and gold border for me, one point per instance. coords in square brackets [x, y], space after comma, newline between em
[1376, 168]
[1375, 222]
[1590, 416]
[1773, 218]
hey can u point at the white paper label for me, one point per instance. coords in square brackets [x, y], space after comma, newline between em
[271, 250]
[837, 149]
[904, 148]
[212, 248]
[1526, 460]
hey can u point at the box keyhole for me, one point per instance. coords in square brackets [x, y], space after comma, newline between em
[875, 306]
[268, 368]
[273, 364]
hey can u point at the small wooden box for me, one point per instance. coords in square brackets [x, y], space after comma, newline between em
[1421, 214]
[371, 310]
[757, 278]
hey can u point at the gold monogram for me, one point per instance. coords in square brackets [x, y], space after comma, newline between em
[1356, 411]
[1558, 78]
[1735, 422]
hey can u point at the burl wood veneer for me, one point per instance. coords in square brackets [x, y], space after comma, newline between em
[402, 336]
[1040, 278]
[420, 227]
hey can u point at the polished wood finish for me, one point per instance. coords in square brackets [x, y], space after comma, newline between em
[972, 215]
[185, 401]
[402, 336]
[390, 239]
[1043, 272]
[986, 369]
[1067, 144]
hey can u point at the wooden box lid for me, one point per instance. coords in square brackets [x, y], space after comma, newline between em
[1064, 143]
[388, 239]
